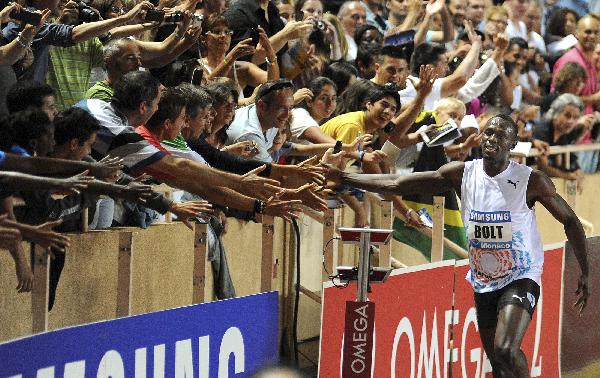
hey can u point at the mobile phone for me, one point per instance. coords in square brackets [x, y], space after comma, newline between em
[338, 147]
[197, 76]
[399, 39]
[255, 36]
[154, 15]
[31, 18]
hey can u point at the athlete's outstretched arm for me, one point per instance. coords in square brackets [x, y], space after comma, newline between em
[447, 177]
[543, 191]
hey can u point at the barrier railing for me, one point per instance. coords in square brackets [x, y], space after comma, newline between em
[123, 252]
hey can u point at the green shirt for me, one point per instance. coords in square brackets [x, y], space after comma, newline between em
[70, 69]
[178, 143]
[101, 91]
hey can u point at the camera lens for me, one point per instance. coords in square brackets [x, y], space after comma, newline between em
[319, 25]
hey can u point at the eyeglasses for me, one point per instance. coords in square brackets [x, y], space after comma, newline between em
[114, 9]
[273, 86]
[222, 33]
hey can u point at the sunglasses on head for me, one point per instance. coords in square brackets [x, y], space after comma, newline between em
[275, 86]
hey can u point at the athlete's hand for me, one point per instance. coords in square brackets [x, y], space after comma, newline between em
[582, 292]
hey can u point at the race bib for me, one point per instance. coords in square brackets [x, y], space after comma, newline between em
[490, 230]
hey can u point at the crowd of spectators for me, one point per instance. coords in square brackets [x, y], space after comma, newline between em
[236, 104]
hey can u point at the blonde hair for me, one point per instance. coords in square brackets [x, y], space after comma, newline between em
[496, 9]
[341, 34]
[448, 103]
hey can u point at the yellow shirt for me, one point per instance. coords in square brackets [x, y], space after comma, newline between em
[345, 127]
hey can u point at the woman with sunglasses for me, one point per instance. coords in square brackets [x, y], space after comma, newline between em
[220, 63]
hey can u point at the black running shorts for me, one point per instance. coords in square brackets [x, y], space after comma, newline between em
[524, 292]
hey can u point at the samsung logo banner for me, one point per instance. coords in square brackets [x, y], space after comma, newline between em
[231, 338]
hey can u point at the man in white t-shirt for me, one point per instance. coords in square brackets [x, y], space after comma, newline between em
[516, 11]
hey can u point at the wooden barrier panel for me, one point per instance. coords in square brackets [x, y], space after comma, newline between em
[437, 232]
[200, 295]
[40, 292]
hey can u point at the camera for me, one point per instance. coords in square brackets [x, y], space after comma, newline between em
[32, 18]
[197, 20]
[173, 18]
[154, 15]
[318, 25]
[87, 13]
[255, 36]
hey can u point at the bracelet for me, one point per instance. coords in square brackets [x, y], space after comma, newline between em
[19, 40]
[361, 155]
[271, 62]
[461, 147]
[407, 215]
[259, 206]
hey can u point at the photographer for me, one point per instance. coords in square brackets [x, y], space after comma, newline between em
[58, 34]
[308, 56]
[70, 69]
[219, 62]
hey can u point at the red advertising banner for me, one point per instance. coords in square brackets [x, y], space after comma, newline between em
[419, 334]
[410, 322]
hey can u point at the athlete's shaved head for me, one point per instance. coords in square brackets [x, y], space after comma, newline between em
[506, 122]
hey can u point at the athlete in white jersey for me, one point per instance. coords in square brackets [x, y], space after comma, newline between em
[505, 251]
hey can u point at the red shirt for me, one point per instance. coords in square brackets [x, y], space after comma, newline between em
[153, 140]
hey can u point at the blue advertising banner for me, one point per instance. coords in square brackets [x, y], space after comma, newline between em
[230, 338]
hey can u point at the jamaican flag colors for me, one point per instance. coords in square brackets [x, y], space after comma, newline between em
[430, 159]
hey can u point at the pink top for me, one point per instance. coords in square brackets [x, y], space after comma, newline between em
[575, 55]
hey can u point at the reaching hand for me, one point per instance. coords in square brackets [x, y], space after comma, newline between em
[333, 174]
[427, 76]
[542, 146]
[262, 188]
[307, 194]
[5, 12]
[474, 38]
[75, 184]
[245, 148]
[582, 292]
[361, 141]
[309, 171]
[330, 158]
[501, 42]
[297, 29]
[138, 12]
[136, 192]
[190, 209]
[43, 236]
[107, 168]
[374, 157]
[265, 44]
[435, 6]
[284, 209]
[24, 274]
[243, 48]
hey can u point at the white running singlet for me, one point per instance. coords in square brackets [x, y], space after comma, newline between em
[504, 243]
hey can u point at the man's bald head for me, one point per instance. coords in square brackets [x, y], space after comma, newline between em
[588, 30]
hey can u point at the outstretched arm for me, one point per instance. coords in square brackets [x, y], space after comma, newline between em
[541, 189]
[447, 177]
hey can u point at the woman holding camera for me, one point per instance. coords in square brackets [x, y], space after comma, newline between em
[220, 63]
[307, 57]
